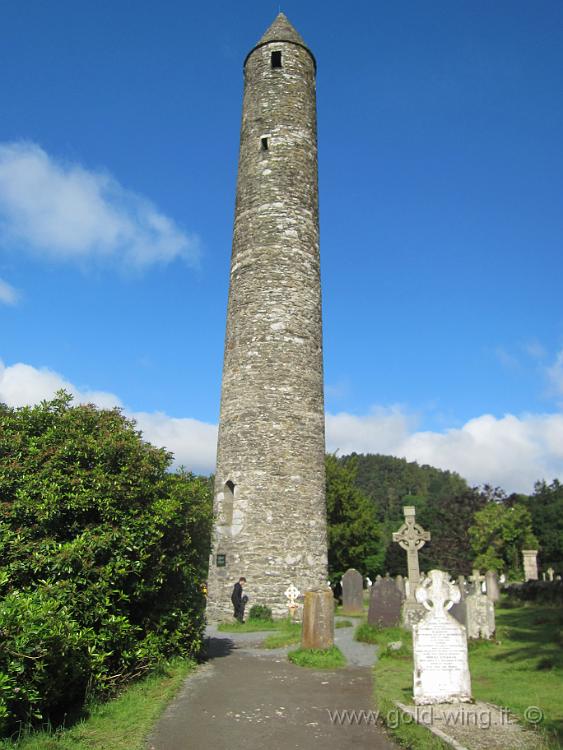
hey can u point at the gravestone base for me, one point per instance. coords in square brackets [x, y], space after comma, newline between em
[412, 613]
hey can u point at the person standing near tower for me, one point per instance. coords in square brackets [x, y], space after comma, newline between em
[238, 599]
[269, 502]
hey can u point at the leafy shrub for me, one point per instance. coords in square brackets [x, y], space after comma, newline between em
[260, 612]
[540, 592]
[103, 553]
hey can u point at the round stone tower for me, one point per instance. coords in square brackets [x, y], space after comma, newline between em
[270, 509]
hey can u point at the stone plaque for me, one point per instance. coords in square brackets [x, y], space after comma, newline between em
[441, 670]
[317, 630]
[384, 604]
[352, 593]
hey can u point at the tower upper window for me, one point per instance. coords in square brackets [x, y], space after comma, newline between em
[264, 144]
[276, 60]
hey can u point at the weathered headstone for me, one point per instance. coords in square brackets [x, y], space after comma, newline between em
[461, 585]
[384, 604]
[479, 611]
[544, 576]
[411, 537]
[491, 581]
[530, 558]
[400, 584]
[476, 579]
[317, 630]
[352, 593]
[441, 670]
[550, 573]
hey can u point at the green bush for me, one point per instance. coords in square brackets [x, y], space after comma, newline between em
[260, 612]
[103, 554]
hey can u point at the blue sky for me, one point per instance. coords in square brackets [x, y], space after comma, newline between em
[441, 176]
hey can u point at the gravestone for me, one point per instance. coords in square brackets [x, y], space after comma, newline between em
[400, 584]
[461, 586]
[352, 593]
[476, 579]
[317, 630]
[441, 670]
[493, 591]
[411, 537]
[544, 577]
[384, 604]
[550, 573]
[530, 558]
[479, 611]
[292, 593]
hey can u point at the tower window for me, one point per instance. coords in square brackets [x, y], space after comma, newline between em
[264, 143]
[276, 60]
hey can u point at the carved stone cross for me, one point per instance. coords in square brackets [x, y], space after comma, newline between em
[437, 593]
[412, 537]
[292, 592]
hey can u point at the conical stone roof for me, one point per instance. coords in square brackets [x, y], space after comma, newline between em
[281, 30]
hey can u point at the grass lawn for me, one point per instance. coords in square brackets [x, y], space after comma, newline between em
[522, 667]
[287, 637]
[314, 658]
[120, 724]
[254, 626]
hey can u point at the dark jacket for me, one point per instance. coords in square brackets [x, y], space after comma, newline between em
[236, 596]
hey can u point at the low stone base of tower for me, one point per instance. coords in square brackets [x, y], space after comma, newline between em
[267, 581]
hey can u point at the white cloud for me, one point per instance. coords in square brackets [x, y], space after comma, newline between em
[8, 295]
[512, 451]
[65, 212]
[192, 442]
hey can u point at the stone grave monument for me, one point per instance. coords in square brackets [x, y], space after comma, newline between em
[352, 593]
[550, 573]
[411, 537]
[441, 670]
[400, 584]
[491, 582]
[530, 558]
[385, 604]
[317, 630]
[480, 611]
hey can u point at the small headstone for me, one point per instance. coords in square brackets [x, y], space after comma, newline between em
[493, 591]
[461, 586]
[377, 578]
[368, 582]
[384, 604]
[441, 670]
[530, 558]
[550, 573]
[476, 579]
[317, 630]
[544, 577]
[502, 579]
[480, 616]
[400, 584]
[352, 593]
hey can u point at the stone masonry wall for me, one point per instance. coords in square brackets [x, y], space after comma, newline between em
[272, 528]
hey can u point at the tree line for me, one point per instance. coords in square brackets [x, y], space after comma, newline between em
[470, 526]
